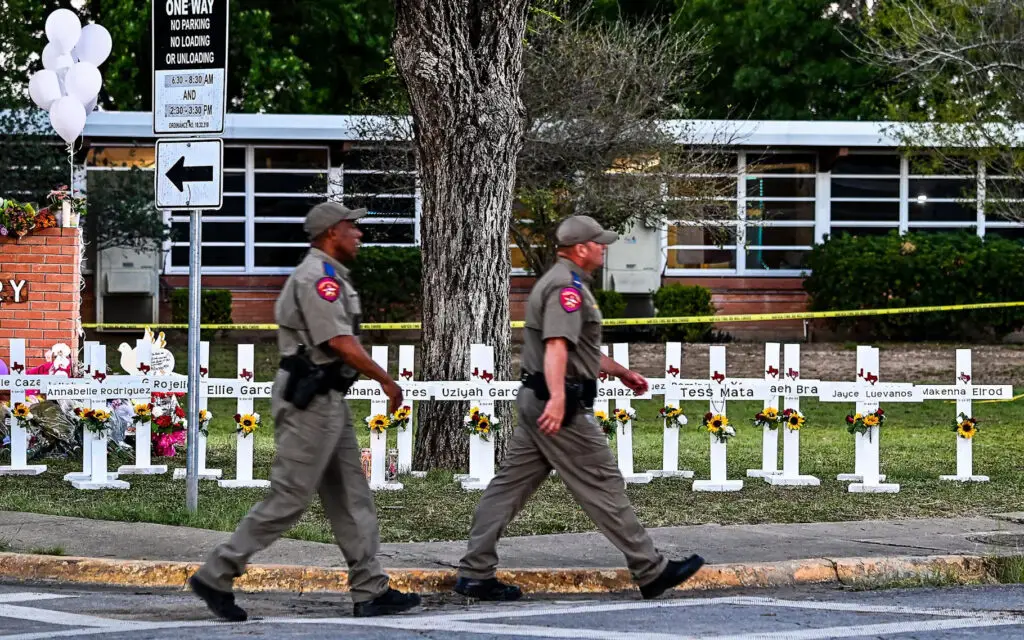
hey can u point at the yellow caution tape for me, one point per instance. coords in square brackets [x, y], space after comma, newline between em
[618, 322]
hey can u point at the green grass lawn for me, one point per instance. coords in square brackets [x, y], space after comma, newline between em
[917, 446]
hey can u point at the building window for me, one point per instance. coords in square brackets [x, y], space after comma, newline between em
[865, 194]
[779, 209]
[942, 193]
[707, 241]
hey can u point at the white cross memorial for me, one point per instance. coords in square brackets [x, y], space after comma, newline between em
[867, 392]
[791, 387]
[143, 430]
[379, 441]
[96, 389]
[176, 381]
[670, 449]
[769, 435]
[484, 391]
[412, 391]
[718, 481]
[964, 391]
[624, 396]
[246, 389]
[17, 383]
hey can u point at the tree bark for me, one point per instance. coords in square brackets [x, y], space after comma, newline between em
[461, 62]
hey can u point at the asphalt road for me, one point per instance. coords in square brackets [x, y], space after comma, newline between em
[30, 612]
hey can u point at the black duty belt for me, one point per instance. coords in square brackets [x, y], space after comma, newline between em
[576, 391]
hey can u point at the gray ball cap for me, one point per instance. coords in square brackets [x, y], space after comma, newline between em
[327, 214]
[580, 229]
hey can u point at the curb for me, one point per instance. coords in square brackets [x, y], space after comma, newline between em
[300, 579]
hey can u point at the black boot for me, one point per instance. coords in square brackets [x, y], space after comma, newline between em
[674, 574]
[490, 589]
[390, 602]
[221, 603]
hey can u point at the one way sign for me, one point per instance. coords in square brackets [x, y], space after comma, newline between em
[189, 173]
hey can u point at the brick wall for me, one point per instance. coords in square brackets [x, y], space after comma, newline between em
[49, 261]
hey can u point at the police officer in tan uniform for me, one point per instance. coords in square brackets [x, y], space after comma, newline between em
[561, 360]
[318, 314]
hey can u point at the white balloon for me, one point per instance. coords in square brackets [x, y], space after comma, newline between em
[83, 81]
[67, 115]
[94, 45]
[63, 62]
[44, 88]
[50, 54]
[89, 108]
[63, 28]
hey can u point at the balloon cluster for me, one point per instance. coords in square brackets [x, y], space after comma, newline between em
[69, 83]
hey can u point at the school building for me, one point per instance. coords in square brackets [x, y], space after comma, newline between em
[789, 184]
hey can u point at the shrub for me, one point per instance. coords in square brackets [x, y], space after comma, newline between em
[684, 300]
[214, 306]
[388, 280]
[917, 270]
[611, 303]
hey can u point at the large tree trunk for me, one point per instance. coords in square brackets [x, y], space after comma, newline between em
[461, 61]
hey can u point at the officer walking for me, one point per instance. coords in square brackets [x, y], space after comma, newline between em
[318, 313]
[561, 360]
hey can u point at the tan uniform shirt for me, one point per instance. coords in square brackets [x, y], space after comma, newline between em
[561, 305]
[317, 303]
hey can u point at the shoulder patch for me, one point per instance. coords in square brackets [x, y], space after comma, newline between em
[570, 299]
[328, 288]
[328, 269]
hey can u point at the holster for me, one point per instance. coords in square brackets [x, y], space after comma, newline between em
[307, 380]
[578, 393]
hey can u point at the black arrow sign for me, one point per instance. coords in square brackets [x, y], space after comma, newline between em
[179, 174]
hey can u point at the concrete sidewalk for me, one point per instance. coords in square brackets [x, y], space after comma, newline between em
[866, 552]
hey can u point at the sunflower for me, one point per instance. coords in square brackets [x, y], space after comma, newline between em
[795, 421]
[21, 410]
[402, 413]
[247, 423]
[622, 416]
[204, 415]
[100, 415]
[483, 425]
[871, 420]
[771, 413]
[379, 423]
[717, 423]
[601, 415]
[967, 429]
[144, 411]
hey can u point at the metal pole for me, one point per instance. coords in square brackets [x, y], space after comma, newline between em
[194, 293]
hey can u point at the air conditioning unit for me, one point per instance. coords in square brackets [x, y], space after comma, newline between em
[633, 262]
[128, 287]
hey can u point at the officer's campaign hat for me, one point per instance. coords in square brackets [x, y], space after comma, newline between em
[327, 214]
[581, 229]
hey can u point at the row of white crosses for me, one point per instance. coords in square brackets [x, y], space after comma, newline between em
[780, 379]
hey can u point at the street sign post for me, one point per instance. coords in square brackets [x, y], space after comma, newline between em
[190, 57]
[190, 60]
[189, 173]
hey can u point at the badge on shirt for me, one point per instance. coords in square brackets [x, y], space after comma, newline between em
[328, 288]
[570, 299]
[577, 281]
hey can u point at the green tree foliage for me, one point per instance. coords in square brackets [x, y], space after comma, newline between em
[784, 60]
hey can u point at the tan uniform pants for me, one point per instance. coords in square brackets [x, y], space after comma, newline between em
[317, 452]
[580, 454]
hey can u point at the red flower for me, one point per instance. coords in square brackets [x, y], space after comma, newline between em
[880, 412]
[238, 417]
[708, 415]
[178, 411]
[759, 416]
[849, 419]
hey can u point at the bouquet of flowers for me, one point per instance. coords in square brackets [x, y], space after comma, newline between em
[480, 423]
[247, 423]
[94, 420]
[625, 415]
[607, 424]
[718, 425]
[23, 414]
[965, 427]
[400, 418]
[793, 419]
[673, 416]
[205, 417]
[767, 418]
[379, 423]
[857, 423]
